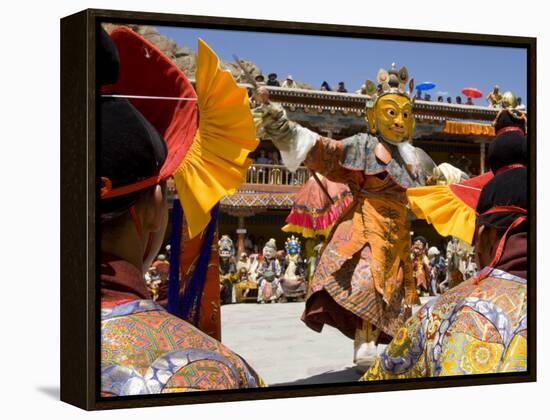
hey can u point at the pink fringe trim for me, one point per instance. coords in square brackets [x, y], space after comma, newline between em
[321, 222]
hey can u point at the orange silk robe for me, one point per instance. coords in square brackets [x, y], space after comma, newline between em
[365, 268]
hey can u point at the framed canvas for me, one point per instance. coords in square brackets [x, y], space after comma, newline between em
[259, 209]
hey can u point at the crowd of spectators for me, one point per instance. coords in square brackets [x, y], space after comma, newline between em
[494, 97]
[290, 83]
[435, 271]
[265, 157]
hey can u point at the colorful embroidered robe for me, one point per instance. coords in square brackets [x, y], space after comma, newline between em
[364, 272]
[472, 329]
[145, 350]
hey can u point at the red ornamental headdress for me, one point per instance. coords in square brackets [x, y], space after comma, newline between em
[207, 156]
[451, 209]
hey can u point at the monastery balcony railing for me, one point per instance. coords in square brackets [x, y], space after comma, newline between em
[262, 178]
[263, 174]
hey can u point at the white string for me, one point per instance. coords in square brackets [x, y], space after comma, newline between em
[467, 186]
[170, 98]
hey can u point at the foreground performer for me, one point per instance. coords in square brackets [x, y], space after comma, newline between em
[364, 277]
[144, 349]
[479, 326]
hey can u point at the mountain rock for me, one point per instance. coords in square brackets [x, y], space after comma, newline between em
[185, 57]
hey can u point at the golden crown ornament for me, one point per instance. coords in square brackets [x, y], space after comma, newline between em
[389, 81]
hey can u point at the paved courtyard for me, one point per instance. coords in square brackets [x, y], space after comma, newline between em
[282, 349]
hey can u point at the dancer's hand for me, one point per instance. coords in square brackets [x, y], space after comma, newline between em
[271, 122]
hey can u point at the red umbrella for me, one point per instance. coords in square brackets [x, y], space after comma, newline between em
[471, 92]
[313, 213]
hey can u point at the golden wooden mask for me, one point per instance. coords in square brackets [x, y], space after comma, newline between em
[392, 118]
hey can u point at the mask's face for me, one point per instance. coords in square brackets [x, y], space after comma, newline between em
[393, 118]
[269, 252]
[293, 249]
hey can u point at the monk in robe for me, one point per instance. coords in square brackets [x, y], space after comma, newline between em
[144, 349]
[421, 265]
[479, 326]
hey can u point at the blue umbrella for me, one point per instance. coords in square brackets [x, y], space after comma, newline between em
[425, 86]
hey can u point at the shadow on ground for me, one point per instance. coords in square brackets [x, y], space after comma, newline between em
[350, 374]
[49, 391]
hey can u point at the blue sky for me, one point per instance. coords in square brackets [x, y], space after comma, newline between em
[313, 59]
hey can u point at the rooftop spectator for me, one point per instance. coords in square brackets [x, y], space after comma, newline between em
[272, 80]
[494, 97]
[449, 100]
[325, 86]
[427, 97]
[459, 99]
[260, 79]
[289, 82]
[440, 99]
[341, 87]
[469, 101]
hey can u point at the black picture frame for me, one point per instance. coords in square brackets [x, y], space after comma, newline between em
[79, 246]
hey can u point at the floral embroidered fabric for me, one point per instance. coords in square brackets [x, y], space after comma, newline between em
[472, 329]
[145, 350]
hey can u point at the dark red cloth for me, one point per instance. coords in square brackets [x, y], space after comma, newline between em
[120, 282]
[322, 309]
[163, 293]
[514, 257]
[146, 71]
[468, 191]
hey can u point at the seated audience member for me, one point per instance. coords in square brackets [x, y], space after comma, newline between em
[262, 158]
[162, 267]
[274, 157]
